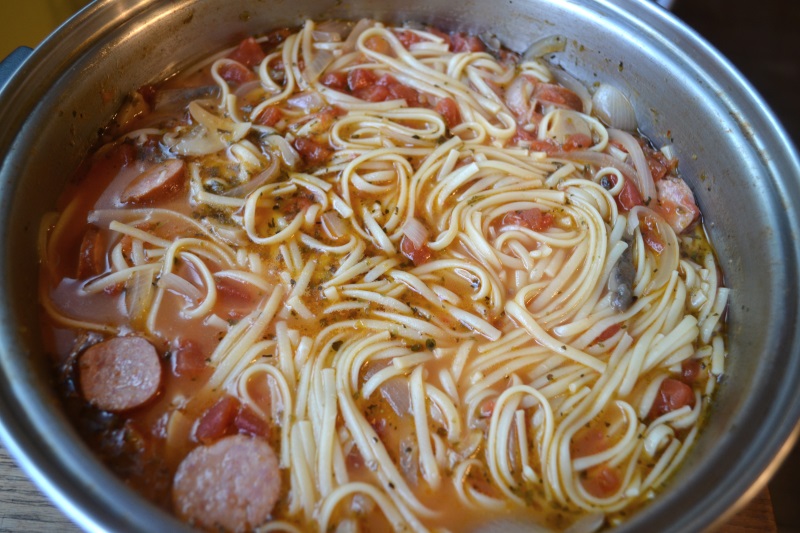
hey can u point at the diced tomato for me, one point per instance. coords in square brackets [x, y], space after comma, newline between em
[609, 332]
[313, 153]
[529, 140]
[418, 255]
[325, 117]
[557, 95]
[217, 421]
[577, 141]
[398, 91]
[248, 53]
[372, 93]
[462, 42]
[588, 441]
[690, 371]
[532, 219]
[659, 165]
[672, 395]
[407, 38]
[335, 80]
[676, 203]
[602, 481]
[275, 37]
[188, 359]
[236, 73]
[360, 78]
[547, 146]
[92, 254]
[270, 116]
[629, 197]
[248, 422]
[377, 44]
[448, 108]
[650, 234]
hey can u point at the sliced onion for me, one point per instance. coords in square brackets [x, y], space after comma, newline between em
[613, 108]
[308, 101]
[416, 232]
[262, 178]
[563, 124]
[340, 27]
[573, 84]
[247, 87]
[395, 392]
[644, 177]
[334, 224]
[360, 27]
[542, 47]
[214, 134]
[326, 36]
[318, 65]
[288, 154]
[491, 41]
[139, 294]
[518, 96]
[669, 152]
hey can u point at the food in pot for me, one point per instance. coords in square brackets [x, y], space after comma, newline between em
[356, 277]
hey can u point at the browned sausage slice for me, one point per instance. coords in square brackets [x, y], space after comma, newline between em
[156, 183]
[120, 373]
[231, 485]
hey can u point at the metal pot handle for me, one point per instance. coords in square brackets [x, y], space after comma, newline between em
[11, 63]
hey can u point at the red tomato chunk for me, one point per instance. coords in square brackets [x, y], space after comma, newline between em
[448, 108]
[672, 395]
[236, 74]
[269, 116]
[532, 219]
[335, 80]
[188, 359]
[248, 53]
[418, 255]
[313, 153]
[360, 78]
[462, 42]
[602, 481]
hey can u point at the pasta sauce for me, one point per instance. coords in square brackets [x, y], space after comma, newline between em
[355, 277]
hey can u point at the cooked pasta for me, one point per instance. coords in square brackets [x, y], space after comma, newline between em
[390, 278]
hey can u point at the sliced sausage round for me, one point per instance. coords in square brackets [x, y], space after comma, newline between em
[120, 374]
[156, 183]
[231, 485]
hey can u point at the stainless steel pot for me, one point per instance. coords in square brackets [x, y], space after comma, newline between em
[733, 153]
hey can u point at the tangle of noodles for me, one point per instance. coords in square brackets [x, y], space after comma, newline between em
[419, 270]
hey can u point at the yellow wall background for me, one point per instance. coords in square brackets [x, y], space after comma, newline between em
[27, 22]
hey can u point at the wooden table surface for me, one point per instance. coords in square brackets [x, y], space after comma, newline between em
[24, 508]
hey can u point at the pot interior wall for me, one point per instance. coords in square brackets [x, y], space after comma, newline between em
[730, 153]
